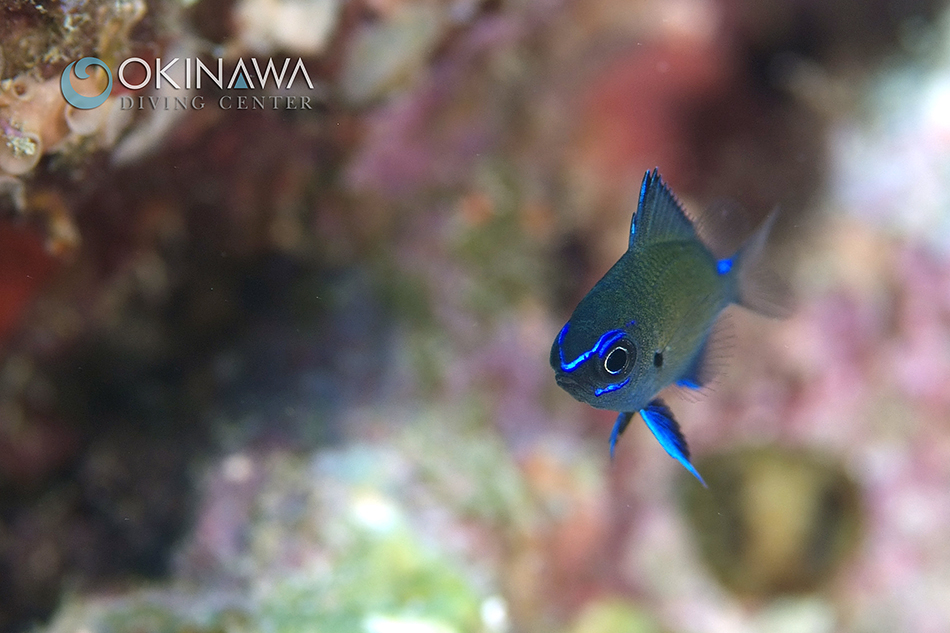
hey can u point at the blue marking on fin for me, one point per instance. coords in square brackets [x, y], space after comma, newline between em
[723, 266]
[613, 387]
[623, 419]
[659, 216]
[643, 196]
[665, 429]
[607, 338]
[689, 384]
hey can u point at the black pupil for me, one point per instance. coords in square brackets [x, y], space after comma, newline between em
[616, 360]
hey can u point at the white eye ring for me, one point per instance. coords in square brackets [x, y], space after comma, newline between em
[625, 355]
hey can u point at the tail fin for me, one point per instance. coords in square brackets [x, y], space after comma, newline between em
[760, 289]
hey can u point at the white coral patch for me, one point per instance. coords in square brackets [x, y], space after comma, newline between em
[301, 27]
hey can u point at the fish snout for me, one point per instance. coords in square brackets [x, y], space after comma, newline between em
[566, 382]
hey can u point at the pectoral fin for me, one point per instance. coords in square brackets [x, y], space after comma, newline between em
[698, 373]
[661, 422]
[710, 359]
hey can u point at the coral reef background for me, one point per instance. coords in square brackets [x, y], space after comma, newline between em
[285, 369]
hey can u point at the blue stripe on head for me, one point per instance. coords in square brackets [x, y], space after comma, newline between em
[723, 266]
[614, 387]
[607, 339]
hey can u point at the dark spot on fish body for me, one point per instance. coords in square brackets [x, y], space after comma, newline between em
[658, 359]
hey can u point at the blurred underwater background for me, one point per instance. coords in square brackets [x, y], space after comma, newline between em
[285, 369]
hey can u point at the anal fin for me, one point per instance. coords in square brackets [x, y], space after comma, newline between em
[659, 419]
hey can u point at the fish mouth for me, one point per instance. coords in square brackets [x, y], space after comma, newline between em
[566, 382]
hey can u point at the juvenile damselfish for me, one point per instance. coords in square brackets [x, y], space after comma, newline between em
[647, 323]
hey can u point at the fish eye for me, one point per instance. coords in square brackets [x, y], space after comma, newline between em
[618, 359]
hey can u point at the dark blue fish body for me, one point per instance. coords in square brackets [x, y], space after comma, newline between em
[645, 325]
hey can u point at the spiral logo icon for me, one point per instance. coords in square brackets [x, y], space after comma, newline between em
[74, 98]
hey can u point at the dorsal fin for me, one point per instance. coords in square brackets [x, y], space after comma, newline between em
[659, 216]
